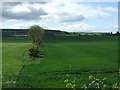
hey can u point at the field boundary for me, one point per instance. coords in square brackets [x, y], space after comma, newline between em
[76, 72]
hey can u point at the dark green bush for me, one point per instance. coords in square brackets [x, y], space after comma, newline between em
[34, 51]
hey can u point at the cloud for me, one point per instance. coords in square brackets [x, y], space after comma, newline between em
[83, 27]
[57, 11]
[111, 9]
[61, 13]
[22, 11]
[54, 0]
[71, 18]
[64, 11]
[21, 25]
[27, 0]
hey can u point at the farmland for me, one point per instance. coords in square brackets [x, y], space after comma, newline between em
[78, 56]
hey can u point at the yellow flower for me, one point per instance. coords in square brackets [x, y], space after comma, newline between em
[104, 78]
[68, 85]
[90, 77]
[67, 75]
[66, 80]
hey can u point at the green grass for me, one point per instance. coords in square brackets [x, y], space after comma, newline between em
[84, 54]
[13, 56]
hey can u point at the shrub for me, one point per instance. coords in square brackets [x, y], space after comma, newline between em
[34, 51]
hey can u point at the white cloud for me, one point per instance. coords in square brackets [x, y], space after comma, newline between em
[111, 9]
[55, 0]
[26, 0]
[58, 11]
[22, 11]
[22, 25]
[70, 11]
[82, 27]
[20, 8]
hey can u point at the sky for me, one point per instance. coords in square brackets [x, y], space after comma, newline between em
[64, 15]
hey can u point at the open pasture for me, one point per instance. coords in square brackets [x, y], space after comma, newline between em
[78, 56]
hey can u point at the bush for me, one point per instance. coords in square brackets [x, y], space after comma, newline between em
[34, 51]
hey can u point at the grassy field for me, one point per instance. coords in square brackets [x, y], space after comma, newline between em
[78, 56]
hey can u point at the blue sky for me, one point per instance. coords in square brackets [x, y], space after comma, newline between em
[111, 20]
[62, 15]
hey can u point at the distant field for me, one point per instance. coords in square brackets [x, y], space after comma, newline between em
[79, 56]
